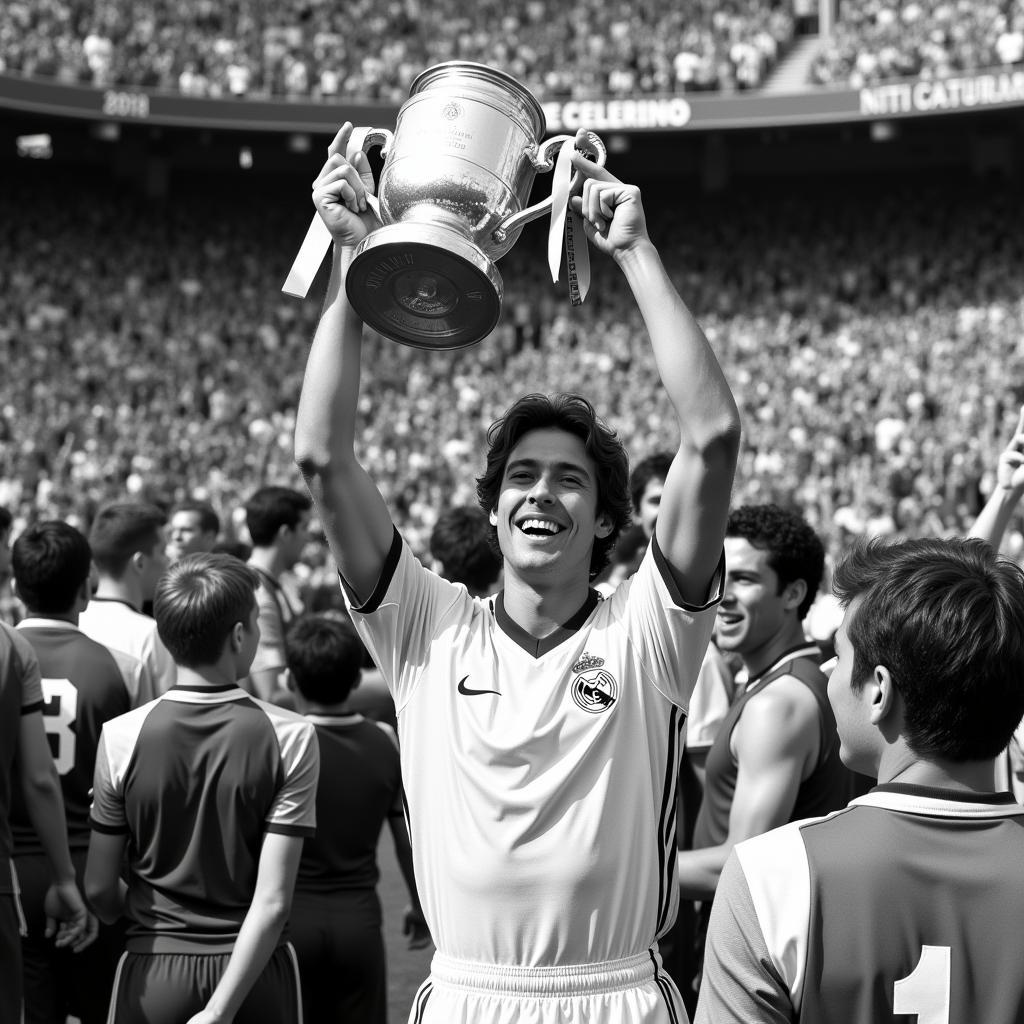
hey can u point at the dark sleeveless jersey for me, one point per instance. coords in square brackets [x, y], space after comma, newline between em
[827, 788]
[84, 685]
[360, 786]
[905, 907]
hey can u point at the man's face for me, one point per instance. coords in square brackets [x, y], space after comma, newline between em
[752, 612]
[547, 517]
[857, 736]
[650, 502]
[185, 536]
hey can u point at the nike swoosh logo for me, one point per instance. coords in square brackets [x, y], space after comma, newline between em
[467, 692]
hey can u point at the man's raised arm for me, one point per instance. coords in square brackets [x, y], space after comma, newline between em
[695, 500]
[355, 519]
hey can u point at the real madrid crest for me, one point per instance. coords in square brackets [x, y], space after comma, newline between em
[594, 689]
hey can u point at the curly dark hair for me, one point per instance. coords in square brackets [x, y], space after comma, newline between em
[575, 415]
[795, 551]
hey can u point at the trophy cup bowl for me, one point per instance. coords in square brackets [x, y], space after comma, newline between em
[451, 199]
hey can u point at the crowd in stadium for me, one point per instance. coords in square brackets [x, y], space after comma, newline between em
[373, 52]
[876, 365]
[874, 41]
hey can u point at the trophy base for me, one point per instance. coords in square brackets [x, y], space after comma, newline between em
[424, 285]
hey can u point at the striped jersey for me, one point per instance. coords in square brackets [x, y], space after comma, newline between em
[540, 775]
[21, 693]
[905, 906]
[84, 685]
[195, 779]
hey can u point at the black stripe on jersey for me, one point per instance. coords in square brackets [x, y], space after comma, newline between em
[386, 574]
[291, 830]
[666, 989]
[27, 709]
[420, 1003]
[667, 821]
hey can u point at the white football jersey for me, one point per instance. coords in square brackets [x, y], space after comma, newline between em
[540, 775]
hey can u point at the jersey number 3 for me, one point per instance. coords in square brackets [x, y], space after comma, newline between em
[59, 719]
[925, 991]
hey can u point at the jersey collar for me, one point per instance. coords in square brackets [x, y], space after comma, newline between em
[41, 622]
[531, 644]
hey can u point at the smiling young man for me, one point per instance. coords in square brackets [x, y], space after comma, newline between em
[908, 903]
[540, 728]
[776, 755]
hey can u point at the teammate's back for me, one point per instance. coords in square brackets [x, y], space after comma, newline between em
[908, 902]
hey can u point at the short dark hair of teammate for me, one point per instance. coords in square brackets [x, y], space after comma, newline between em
[270, 508]
[575, 415]
[946, 617]
[325, 658]
[461, 542]
[197, 603]
[795, 551]
[120, 530]
[51, 561]
[654, 467]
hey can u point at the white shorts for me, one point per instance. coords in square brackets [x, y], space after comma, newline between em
[632, 991]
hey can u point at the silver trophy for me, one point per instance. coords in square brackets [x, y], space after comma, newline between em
[452, 197]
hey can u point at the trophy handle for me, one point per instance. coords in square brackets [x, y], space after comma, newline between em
[543, 160]
[365, 139]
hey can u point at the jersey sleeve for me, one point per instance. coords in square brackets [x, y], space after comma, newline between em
[134, 676]
[403, 615]
[293, 812]
[669, 635]
[25, 663]
[107, 811]
[740, 984]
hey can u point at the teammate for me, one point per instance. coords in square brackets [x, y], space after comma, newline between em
[540, 728]
[462, 548]
[909, 901]
[193, 529]
[25, 752]
[776, 755]
[278, 522]
[84, 685]
[209, 794]
[128, 552]
[335, 925]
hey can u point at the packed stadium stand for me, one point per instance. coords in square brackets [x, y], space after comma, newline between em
[874, 41]
[874, 343]
[329, 51]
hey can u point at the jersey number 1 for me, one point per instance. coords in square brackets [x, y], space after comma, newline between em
[925, 991]
[59, 717]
